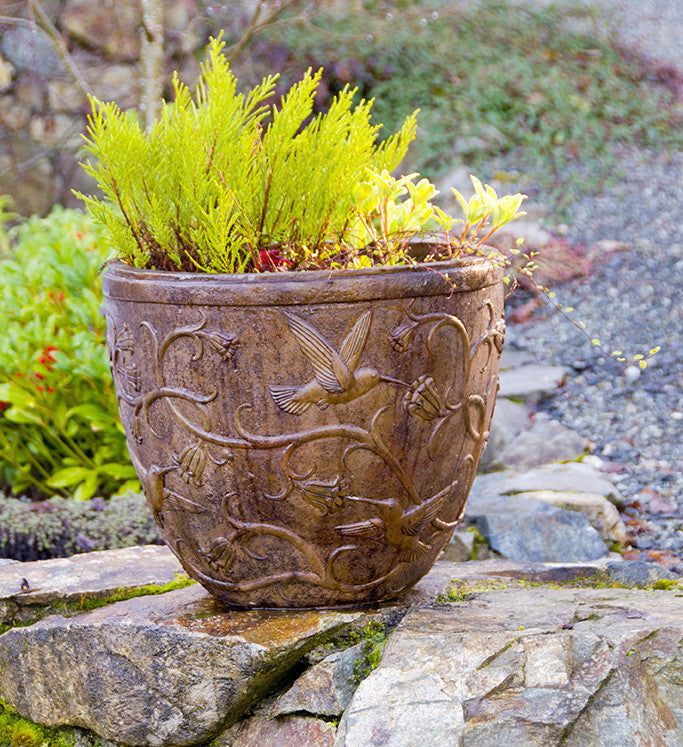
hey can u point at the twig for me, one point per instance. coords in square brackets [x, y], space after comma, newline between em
[59, 47]
[152, 57]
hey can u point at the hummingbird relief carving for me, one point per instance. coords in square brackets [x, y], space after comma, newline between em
[337, 377]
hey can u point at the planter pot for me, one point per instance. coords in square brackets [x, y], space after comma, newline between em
[306, 439]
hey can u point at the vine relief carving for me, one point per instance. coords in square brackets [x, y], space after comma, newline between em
[399, 525]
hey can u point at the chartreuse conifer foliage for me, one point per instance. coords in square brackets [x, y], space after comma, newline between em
[224, 179]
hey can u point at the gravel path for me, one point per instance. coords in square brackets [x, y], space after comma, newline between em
[631, 302]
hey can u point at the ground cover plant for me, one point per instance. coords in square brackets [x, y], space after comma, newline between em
[59, 425]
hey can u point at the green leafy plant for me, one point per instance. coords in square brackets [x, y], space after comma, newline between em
[224, 182]
[59, 426]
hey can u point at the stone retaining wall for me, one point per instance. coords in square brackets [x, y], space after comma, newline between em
[112, 649]
[42, 110]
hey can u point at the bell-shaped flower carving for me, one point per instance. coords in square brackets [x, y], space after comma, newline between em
[422, 400]
[225, 345]
[498, 335]
[401, 337]
[191, 463]
[220, 554]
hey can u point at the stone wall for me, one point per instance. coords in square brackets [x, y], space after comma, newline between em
[113, 648]
[42, 110]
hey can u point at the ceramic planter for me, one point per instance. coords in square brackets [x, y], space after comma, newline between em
[307, 439]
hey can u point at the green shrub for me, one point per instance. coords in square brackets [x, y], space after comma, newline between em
[51, 529]
[59, 424]
[227, 182]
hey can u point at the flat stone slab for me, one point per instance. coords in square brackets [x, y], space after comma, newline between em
[602, 514]
[96, 574]
[573, 477]
[531, 382]
[545, 442]
[175, 668]
[528, 666]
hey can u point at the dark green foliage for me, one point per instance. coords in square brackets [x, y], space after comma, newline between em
[491, 76]
[50, 529]
[59, 424]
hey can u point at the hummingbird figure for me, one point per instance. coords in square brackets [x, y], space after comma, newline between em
[401, 528]
[337, 376]
[159, 497]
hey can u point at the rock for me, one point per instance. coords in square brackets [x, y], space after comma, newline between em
[26, 174]
[638, 573]
[6, 74]
[602, 515]
[509, 418]
[117, 33]
[13, 114]
[547, 441]
[532, 667]
[323, 690]
[529, 530]
[531, 382]
[29, 48]
[30, 91]
[174, 668]
[81, 577]
[120, 83]
[57, 130]
[573, 477]
[64, 96]
[513, 359]
[460, 547]
[291, 731]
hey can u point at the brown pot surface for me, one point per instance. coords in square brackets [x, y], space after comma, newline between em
[307, 439]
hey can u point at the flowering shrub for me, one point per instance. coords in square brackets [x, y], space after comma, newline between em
[59, 426]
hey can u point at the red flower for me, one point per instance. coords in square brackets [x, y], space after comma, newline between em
[38, 376]
[271, 260]
[79, 235]
[3, 405]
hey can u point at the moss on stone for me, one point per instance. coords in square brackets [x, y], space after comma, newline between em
[17, 731]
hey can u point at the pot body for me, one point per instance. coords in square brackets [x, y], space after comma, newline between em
[306, 439]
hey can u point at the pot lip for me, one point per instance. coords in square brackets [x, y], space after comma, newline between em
[126, 283]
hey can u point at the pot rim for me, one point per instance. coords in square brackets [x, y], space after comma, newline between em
[126, 283]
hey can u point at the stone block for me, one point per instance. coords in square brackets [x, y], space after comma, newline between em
[509, 419]
[325, 689]
[545, 442]
[528, 530]
[527, 666]
[601, 513]
[158, 670]
[531, 382]
[81, 578]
